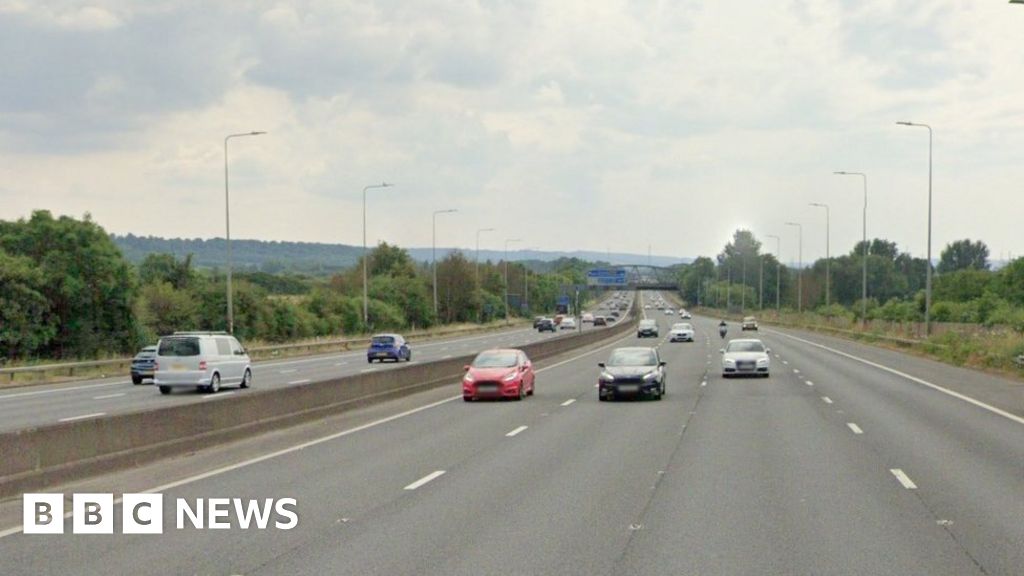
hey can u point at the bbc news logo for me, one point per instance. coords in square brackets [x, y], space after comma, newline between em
[144, 514]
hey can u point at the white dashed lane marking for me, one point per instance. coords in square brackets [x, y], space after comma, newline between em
[854, 428]
[903, 478]
[82, 417]
[516, 431]
[568, 402]
[432, 476]
[826, 399]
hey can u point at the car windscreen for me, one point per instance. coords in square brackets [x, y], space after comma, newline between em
[383, 341]
[179, 347]
[495, 360]
[745, 347]
[638, 357]
[648, 323]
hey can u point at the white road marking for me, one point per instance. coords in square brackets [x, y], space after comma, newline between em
[809, 383]
[425, 479]
[903, 478]
[365, 370]
[56, 390]
[826, 399]
[704, 383]
[304, 381]
[569, 401]
[786, 363]
[82, 417]
[854, 428]
[106, 396]
[920, 381]
[795, 371]
[446, 357]
[289, 371]
[218, 395]
[516, 431]
[340, 363]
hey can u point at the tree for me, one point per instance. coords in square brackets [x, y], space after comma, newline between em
[963, 254]
[89, 285]
[166, 268]
[26, 324]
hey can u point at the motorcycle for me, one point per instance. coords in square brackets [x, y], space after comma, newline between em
[722, 330]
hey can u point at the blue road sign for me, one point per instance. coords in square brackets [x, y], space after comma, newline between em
[606, 277]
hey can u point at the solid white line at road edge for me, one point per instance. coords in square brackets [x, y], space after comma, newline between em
[314, 442]
[425, 479]
[903, 478]
[936, 387]
[568, 402]
[516, 431]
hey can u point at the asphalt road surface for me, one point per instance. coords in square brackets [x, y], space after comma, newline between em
[831, 466]
[39, 405]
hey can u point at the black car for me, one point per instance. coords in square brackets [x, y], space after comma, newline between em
[547, 325]
[537, 320]
[634, 372]
[143, 364]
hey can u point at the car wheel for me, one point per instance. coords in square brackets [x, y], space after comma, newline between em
[165, 390]
[522, 393]
[408, 356]
[246, 379]
[467, 398]
[533, 388]
[136, 379]
[214, 386]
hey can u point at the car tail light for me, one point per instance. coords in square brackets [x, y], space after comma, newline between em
[202, 365]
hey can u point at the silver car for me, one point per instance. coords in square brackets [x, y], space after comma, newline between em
[201, 360]
[681, 332]
[745, 357]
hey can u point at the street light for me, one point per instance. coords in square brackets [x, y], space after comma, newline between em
[928, 281]
[366, 299]
[433, 251]
[227, 222]
[828, 255]
[778, 266]
[526, 279]
[478, 259]
[864, 249]
[507, 242]
[800, 270]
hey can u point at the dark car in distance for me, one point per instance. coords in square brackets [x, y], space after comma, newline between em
[634, 372]
[547, 325]
[388, 347]
[143, 364]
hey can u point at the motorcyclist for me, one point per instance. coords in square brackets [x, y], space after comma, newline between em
[722, 328]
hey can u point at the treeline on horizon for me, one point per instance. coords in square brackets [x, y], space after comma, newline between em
[964, 287]
[68, 291]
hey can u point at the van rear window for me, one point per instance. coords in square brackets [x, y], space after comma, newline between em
[179, 347]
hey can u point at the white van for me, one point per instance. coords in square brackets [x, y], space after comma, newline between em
[203, 360]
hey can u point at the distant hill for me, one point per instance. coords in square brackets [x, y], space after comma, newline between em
[317, 258]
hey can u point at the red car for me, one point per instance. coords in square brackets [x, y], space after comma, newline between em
[502, 373]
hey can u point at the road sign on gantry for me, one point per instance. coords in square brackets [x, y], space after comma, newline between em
[606, 277]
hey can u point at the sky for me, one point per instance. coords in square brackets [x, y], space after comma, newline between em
[569, 124]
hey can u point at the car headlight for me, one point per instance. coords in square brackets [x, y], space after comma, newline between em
[762, 362]
[606, 377]
[468, 377]
[510, 377]
[650, 376]
[728, 362]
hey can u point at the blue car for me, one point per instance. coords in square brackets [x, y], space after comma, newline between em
[388, 347]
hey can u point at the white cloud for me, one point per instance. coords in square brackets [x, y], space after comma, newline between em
[580, 124]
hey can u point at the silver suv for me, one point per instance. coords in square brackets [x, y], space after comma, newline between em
[203, 360]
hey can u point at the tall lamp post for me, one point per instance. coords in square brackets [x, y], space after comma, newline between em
[928, 281]
[800, 271]
[507, 242]
[864, 249]
[227, 223]
[433, 251]
[366, 298]
[778, 270]
[478, 260]
[828, 255]
[526, 280]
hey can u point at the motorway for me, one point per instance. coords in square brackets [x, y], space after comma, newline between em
[50, 404]
[831, 466]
